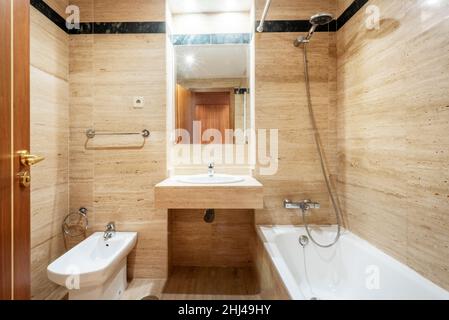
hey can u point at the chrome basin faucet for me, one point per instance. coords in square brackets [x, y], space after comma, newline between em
[110, 231]
[211, 169]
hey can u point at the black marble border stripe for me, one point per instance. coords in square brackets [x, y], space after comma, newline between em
[350, 12]
[304, 25]
[295, 26]
[160, 27]
[100, 27]
[119, 28]
[51, 14]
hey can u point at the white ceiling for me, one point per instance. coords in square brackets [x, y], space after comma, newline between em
[212, 62]
[203, 6]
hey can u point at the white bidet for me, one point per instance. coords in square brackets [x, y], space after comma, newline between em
[96, 268]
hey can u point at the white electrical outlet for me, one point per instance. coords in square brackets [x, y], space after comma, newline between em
[139, 102]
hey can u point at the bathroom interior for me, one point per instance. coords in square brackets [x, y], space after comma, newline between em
[330, 181]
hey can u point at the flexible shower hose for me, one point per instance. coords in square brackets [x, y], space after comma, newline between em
[317, 139]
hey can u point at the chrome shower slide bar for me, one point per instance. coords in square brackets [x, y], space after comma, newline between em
[264, 16]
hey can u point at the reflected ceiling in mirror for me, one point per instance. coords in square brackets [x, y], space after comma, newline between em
[212, 62]
[212, 100]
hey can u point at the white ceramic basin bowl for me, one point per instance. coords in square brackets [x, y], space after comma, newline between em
[94, 260]
[206, 179]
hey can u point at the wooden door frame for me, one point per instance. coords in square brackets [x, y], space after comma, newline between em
[5, 153]
[21, 130]
[15, 117]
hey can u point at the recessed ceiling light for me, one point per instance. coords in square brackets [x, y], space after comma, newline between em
[230, 5]
[190, 5]
[190, 59]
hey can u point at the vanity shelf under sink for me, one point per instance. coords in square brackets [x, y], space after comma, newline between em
[202, 191]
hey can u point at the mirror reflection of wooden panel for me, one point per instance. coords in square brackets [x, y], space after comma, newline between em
[212, 117]
[212, 108]
[184, 118]
[213, 111]
[216, 72]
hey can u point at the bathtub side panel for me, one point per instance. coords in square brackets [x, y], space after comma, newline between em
[271, 285]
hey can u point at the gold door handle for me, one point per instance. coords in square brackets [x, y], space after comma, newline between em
[28, 159]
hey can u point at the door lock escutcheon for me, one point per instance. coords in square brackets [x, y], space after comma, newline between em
[24, 179]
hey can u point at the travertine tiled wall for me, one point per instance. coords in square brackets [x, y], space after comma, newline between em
[342, 5]
[392, 141]
[293, 9]
[281, 104]
[120, 11]
[106, 73]
[49, 138]
[393, 124]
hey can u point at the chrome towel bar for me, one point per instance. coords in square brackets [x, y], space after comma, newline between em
[91, 133]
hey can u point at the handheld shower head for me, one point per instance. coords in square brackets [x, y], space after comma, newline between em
[321, 19]
[317, 20]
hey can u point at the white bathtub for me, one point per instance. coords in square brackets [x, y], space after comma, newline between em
[352, 270]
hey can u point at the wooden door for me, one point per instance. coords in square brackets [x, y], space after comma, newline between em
[14, 136]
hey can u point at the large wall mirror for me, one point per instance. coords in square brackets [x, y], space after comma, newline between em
[210, 85]
[212, 93]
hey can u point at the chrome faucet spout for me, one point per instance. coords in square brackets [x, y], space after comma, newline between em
[211, 169]
[110, 231]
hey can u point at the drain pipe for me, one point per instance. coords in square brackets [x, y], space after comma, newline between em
[209, 215]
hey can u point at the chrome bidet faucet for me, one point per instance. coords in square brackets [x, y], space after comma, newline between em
[110, 231]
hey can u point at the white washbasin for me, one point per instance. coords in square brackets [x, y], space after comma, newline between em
[206, 179]
[95, 268]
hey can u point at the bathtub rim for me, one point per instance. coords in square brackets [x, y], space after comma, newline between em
[289, 282]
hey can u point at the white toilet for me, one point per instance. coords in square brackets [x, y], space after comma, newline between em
[96, 268]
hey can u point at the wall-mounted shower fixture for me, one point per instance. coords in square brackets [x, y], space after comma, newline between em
[303, 205]
[264, 16]
[317, 20]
